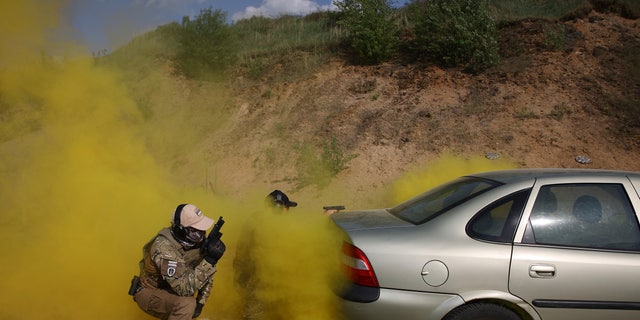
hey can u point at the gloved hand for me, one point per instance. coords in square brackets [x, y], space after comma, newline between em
[214, 251]
[198, 310]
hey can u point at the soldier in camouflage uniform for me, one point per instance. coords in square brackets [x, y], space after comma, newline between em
[173, 269]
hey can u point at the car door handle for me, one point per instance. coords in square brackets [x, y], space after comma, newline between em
[542, 271]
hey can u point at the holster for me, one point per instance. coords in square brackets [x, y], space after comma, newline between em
[135, 286]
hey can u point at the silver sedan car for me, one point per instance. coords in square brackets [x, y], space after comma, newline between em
[516, 244]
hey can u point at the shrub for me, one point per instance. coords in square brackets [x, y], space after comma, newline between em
[554, 37]
[333, 157]
[371, 27]
[319, 170]
[455, 32]
[206, 46]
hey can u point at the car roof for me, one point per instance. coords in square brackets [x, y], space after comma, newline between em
[513, 175]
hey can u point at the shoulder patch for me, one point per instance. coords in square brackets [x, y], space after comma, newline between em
[171, 268]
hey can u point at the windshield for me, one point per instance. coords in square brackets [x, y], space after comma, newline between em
[430, 204]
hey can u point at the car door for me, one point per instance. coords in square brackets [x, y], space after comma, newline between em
[578, 256]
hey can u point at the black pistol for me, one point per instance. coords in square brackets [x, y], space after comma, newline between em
[215, 233]
[135, 286]
[213, 248]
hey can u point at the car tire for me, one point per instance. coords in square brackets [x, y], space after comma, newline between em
[482, 311]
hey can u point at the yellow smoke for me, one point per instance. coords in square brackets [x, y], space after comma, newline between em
[292, 257]
[82, 193]
[24, 26]
[442, 169]
[79, 193]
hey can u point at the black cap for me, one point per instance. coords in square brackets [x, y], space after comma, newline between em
[279, 198]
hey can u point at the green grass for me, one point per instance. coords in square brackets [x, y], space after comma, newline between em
[525, 113]
[319, 168]
[265, 36]
[290, 47]
[293, 45]
[559, 111]
[512, 10]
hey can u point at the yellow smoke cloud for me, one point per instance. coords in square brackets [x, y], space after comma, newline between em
[82, 193]
[296, 254]
[292, 258]
[24, 26]
[277, 265]
[79, 194]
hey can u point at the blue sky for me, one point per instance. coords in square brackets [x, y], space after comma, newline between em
[107, 24]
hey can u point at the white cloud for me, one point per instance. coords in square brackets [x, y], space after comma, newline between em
[168, 3]
[275, 8]
[154, 3]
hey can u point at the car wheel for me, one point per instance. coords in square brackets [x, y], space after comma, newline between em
[482, 311]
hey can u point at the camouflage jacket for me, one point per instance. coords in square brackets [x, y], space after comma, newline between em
[166, 265]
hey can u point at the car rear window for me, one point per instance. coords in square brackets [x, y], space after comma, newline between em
[430, 204]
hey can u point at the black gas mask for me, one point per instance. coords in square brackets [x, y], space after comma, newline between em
[188, 237]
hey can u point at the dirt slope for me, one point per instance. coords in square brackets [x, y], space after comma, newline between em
[542, 107]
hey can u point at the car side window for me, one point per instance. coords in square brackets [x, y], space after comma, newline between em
[593, 215]
[498, 221]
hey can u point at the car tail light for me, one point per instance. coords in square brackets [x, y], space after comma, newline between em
[358, 267]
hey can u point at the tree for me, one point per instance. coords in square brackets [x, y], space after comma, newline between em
[371, 27]
[455, 32]
[207, 45]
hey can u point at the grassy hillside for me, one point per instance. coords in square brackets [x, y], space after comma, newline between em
[267, 95]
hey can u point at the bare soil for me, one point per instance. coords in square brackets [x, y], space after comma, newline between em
[545, 104]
